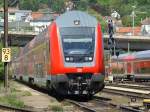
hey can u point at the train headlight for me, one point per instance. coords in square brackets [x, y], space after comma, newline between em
[71, 58]
[67, 59]
[90, 58]
[86, 58]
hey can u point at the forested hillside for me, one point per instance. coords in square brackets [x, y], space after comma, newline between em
[99, 7]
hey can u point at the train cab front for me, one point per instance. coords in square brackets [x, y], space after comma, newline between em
[79, 53]
[78, 65]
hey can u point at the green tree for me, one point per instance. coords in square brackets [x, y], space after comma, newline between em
[99, 18]
[81, 5]
[58, 5]
[29, 5]
[43, 1]
[103, 7]
[1, 3]
[127, 20]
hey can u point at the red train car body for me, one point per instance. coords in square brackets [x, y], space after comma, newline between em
[67, 56]
[135, 64]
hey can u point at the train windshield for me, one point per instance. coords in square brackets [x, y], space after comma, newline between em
[78, 40]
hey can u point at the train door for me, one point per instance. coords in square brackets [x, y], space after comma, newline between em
[128, 68]
[39, 73]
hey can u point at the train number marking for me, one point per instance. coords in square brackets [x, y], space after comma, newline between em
[6, 54]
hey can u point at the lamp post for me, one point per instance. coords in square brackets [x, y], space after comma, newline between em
[128, 46]
[133, 15]
[133, 22]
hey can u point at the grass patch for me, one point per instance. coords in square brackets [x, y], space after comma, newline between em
[66, 103]
[13, 95]
[57, 108]
[18, 92]
[14, 90]
[1, 82]
[11, 100]
[53, 100]
[26, 93]
[1, 85]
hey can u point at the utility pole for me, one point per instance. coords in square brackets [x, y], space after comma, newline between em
[133, 15]
[5, 42]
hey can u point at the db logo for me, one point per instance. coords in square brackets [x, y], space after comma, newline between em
[79, 69]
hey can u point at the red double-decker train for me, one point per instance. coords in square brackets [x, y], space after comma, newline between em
[136, 66]
[66, 57]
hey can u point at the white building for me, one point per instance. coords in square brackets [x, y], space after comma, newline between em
[22, 15]
[16, 15]
[41, 23]
[145, 28]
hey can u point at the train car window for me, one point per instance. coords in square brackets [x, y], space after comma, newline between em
[77, 31]
[145, 70]
[39, 70]
[78, 40]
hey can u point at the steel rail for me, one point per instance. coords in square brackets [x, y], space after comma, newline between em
[6, 107]
[142, 87]
[103, 102]
[82, 106]
[126, 93]
[101, 98]
[122, 107]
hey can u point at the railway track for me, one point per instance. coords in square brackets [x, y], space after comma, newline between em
[132, 86]
[98, 104]
[14, 109]
[127, 92]
[101, 105]
[120, 107]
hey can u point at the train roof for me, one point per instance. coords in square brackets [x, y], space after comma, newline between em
[124, 57]
[141, 55]
[76, 18]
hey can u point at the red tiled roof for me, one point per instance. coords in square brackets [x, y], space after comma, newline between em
[128, 30]
[36, 15]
